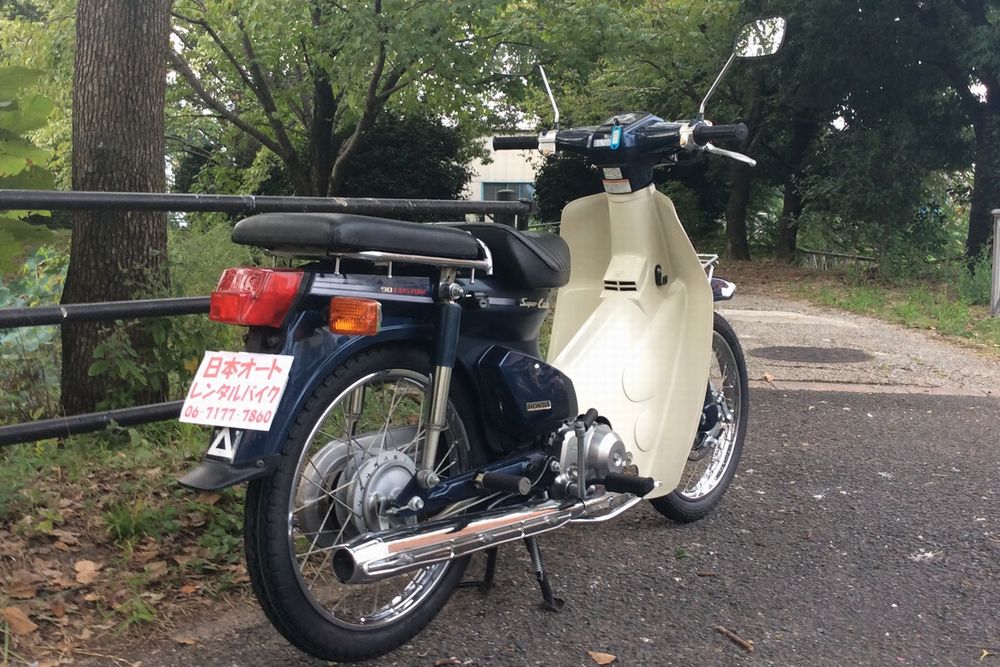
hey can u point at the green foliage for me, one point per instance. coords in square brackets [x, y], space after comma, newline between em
[411, 155]
[21, 162]
[975, 286]
[406, 155]
[129, 518]
[29, 359]
[198, 255]
[39, 35]
[295, 76]
[560, 181]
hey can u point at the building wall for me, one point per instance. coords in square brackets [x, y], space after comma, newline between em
[506, 167]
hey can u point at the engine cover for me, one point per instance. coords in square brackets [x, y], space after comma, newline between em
[605, 453]
[525, 397]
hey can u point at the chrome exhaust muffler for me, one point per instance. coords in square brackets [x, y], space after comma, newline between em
[368, 559]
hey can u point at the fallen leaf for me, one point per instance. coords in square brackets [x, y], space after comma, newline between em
[58, 608]
[188, 589]
[441, 662]
[86, 571]
[62, 546]
[602, 658]
[146, 555]
[208, 498]
[984, 655]
[768, 378]
[21, 590]
[66, 537]
[156, 569]
[186, 641]
[18, 622]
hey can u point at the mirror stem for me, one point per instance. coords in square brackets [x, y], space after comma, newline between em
[552, 98]
[711, 91]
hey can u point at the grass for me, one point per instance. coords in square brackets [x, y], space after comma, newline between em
[927, 307]
[113, 499]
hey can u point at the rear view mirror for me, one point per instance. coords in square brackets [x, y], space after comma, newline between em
[763, 37]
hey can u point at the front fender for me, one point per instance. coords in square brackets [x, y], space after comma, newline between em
[317, 352]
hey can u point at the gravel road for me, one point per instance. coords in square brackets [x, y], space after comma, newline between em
[863, 529]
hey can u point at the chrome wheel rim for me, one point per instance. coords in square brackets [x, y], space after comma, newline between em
[377, 420]
[703, 473]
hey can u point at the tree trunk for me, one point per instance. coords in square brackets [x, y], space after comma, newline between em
[986, 191]
[737, 243]
[321, 133]
[119, 88]
[803, 133]
[788, 223]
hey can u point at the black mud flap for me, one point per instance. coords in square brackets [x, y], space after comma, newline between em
[213, 475]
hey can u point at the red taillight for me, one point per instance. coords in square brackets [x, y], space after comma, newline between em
[254, 297]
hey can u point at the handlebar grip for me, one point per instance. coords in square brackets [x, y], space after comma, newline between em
[703, 133]
[522, 143]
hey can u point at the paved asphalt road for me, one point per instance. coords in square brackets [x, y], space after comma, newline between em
[863, 529]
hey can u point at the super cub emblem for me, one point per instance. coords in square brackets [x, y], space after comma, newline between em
[538, 406]
[528, 303]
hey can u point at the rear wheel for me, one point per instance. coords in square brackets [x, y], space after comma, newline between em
[356, 443]
[716, 452]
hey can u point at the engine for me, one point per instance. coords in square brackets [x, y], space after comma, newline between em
[595, 449]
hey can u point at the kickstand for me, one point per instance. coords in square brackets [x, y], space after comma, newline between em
[549, 601]
[484, 585]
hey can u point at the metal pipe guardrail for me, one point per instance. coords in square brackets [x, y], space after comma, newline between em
[513, 213]
[107, 310]
[24, 200]
[995, 285]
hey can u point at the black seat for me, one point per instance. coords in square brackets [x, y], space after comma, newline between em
[524, 260]
[305, 233]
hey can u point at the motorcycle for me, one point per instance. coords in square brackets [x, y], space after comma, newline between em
[392, 412]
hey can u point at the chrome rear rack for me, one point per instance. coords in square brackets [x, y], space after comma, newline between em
[389, 258]
[708, 262]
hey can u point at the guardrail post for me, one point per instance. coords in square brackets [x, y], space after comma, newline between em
[995, 301]
[505, 218]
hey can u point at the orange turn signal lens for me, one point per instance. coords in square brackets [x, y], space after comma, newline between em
[355, 317]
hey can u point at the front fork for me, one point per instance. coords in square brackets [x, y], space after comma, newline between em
[449, 321]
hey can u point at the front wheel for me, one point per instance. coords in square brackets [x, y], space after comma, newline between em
[357, 442]
[716, 452]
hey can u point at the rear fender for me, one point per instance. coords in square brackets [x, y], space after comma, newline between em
[317, 352]
[722, 289]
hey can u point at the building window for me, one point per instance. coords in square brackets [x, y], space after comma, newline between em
[521, 190]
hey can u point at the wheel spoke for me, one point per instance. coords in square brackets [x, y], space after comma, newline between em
[702, 475]
[365, 422]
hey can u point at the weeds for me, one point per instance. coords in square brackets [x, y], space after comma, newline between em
[99, 528]
[950, 308]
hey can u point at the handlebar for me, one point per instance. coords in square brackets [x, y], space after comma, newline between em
[521, 143]
[703, 133]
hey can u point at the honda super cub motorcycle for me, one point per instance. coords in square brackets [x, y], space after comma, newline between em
[392, 414]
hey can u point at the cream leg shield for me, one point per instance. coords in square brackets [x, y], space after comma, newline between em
[636, 351]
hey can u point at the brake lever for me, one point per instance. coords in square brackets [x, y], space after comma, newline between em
[739, 157]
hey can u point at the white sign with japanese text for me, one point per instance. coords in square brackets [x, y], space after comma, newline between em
[237, 390]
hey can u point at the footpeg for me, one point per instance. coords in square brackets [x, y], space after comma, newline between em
[498, 481]
[617, 482]
[549, 601]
